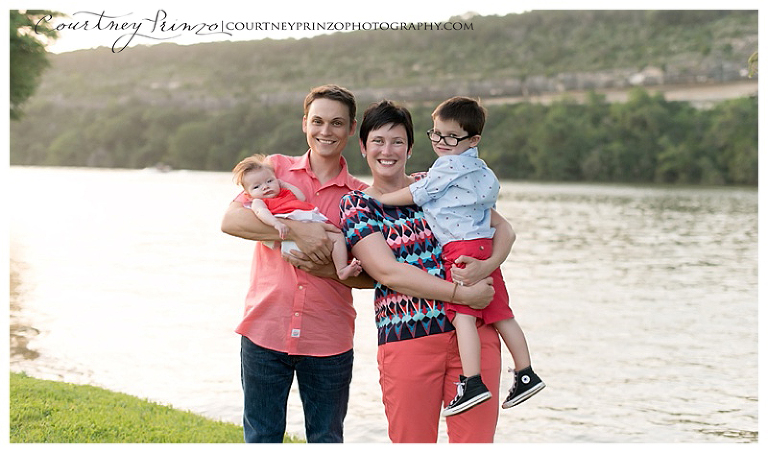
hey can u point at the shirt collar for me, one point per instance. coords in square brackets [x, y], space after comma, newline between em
[343, 179]
[471, 152]
[302, 164]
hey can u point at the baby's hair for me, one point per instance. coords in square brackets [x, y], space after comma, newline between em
[250, 163]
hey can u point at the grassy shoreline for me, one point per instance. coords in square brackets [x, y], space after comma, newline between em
[44, 411]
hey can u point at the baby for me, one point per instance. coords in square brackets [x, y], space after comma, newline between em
[272, 199]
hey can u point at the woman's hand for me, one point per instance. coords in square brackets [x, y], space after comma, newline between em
[476, 296]
[472, 271]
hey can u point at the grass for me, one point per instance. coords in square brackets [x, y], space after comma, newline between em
[55, 412]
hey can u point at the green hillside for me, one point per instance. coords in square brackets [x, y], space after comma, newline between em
[204, 106]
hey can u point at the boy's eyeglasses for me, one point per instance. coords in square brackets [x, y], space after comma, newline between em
[449, 140]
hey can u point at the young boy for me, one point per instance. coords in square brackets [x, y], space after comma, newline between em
[457, 195]
[272, 198]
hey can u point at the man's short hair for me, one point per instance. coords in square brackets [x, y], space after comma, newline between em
[335, 93]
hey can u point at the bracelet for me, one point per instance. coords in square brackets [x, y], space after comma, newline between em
[456, 285]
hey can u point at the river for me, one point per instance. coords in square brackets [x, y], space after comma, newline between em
[639, 302]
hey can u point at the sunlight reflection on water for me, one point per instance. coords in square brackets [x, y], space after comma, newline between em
[638, 302]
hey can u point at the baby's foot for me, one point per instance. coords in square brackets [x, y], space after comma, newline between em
[353, 269]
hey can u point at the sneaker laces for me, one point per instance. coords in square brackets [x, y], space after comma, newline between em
[459, 391]
[514, 379]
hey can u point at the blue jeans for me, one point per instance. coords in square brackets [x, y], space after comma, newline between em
[267, 376]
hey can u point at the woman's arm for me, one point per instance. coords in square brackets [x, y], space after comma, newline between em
[310, 237]
[503, 239]
[475, 269]
[379, 262]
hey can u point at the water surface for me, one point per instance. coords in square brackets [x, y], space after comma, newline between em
[639, 303]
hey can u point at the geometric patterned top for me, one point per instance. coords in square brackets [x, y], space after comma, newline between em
[398, 316]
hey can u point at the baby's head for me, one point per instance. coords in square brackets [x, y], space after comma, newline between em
[257, 177]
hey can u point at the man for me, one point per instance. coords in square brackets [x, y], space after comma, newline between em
[299, 318]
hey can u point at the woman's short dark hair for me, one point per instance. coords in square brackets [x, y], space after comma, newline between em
[385, 112]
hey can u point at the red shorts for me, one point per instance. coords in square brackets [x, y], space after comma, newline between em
[481, 249]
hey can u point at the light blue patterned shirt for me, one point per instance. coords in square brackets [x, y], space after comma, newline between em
[457, 196]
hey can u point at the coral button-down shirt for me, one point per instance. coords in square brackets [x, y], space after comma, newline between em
[287, 309]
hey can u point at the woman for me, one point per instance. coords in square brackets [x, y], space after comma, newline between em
[418, 356]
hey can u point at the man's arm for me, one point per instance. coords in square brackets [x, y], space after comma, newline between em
[310, 237]
[299, 260]
[262, 213]
[242, 222]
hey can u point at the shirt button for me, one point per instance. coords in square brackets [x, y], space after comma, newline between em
[296, 314]
[301, 287]
[317, 194]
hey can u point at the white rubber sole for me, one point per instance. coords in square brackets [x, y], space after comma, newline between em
[524, 396]
[469, 404]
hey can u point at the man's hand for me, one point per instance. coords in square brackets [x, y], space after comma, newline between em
[301, 261]
[312, 239]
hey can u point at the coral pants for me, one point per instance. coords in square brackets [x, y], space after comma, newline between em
[418, 378]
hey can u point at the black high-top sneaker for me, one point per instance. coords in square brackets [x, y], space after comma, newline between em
[527, 384]
[470, 391]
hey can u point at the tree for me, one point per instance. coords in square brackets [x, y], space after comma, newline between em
[752, 63]
[28, 57]
[506, 145]
[733, 137]
[638, 126]
[561, 141]
[189, 146]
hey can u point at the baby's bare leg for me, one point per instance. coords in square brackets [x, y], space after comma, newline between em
[340, 257]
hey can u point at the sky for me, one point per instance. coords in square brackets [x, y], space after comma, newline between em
[151, 22]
